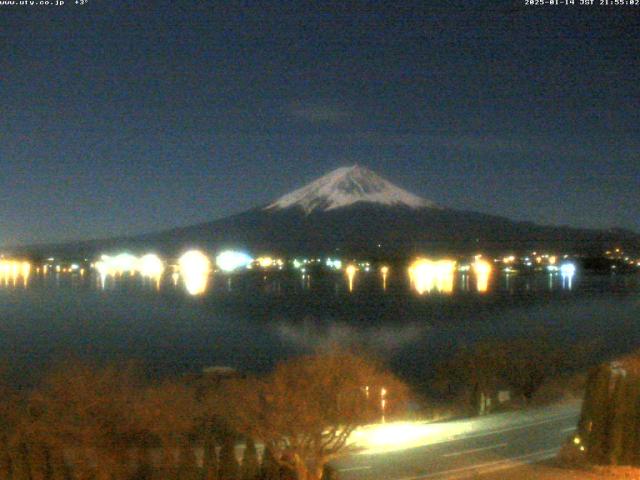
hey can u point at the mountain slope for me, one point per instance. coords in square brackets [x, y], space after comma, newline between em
[353, 210]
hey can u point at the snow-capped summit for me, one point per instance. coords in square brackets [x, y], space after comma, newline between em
[346, 186]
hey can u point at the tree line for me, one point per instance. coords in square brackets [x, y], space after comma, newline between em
[473, 374]
[89, 422]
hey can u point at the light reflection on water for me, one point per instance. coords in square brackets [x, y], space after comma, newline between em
[482, 270]
[260, 321]
[14, 273]
[194, 275]
[428, 276]
[195, 269]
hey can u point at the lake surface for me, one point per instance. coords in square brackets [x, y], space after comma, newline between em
[251, 322]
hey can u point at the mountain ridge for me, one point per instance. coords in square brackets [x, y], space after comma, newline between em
[354, 210]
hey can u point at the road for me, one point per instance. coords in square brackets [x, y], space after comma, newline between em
[459, 449]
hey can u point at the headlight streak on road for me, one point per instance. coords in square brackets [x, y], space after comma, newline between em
[391, 437]
[396, 436]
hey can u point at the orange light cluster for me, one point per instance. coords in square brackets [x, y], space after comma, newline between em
[428, 275]
[12, 270]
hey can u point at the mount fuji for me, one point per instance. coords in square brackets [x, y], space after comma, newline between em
[347, 186]
[354, 210]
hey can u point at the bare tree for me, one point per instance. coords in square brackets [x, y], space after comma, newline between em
[305, 411]
[228, 463]
[209, 458]
[476, 371]
[529, 362]
[170, 412]
[87, 411]
[9, 414]
[249, 469]
[523, 364]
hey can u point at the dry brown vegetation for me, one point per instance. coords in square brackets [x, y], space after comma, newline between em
[532, 369]
[609, 427]
[606, 443]
[306, 409]
[84, 422]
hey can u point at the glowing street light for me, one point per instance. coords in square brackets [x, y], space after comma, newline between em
[124, 263]
[194, 270]
[11, 270]
[230, 260]
[427, 275]
[265, 262]
[150, 266]
[421, 275]
[336, 264]
[567, 269]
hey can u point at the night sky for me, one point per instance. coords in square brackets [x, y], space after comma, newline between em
[122, 117]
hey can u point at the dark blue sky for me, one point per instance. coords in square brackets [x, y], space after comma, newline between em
[125, 117]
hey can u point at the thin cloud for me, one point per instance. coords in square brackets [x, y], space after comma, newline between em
[318, 112]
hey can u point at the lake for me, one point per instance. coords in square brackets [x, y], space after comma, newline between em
[251, 321]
